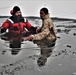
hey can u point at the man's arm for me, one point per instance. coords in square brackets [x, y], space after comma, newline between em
[45, 31]
[31, 28]
[4, 26]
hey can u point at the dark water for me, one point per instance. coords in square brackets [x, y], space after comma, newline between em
[38, 57]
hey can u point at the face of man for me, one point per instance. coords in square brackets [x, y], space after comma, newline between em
[18, 13]
[42, 14]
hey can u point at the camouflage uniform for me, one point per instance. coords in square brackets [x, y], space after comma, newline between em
[47, 30]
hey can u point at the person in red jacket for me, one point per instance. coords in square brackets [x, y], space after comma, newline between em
[16, 23]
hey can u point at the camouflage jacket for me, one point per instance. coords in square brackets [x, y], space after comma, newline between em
[47, 30]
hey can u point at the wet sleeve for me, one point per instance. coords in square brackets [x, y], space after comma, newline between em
[45, 31]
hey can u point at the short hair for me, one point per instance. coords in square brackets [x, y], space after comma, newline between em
[45, 10]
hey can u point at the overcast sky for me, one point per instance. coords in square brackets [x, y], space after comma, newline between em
[57, 8]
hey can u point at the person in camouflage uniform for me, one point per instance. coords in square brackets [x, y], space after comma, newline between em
[47, 31]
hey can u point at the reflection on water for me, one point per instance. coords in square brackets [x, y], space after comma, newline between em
[46, 48]
[14, 42]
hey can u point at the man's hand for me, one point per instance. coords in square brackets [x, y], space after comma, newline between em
[29, 38]
[38, 29]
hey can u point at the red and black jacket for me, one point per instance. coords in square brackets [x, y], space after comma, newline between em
[16, 25]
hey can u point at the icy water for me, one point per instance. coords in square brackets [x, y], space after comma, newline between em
[39, 58]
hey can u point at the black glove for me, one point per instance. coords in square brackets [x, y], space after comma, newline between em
[3, 30]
